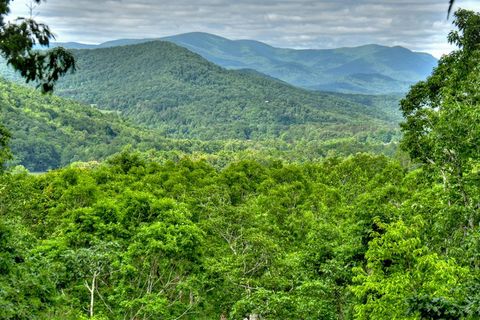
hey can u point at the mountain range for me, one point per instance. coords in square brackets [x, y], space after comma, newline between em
[164, 86]
[157, 95]
[368, 69]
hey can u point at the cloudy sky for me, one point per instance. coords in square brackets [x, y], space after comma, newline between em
[420, 25]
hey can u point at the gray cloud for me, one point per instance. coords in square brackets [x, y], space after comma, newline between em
[419, 25]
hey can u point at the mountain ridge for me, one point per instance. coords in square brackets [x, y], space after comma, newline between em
[312, 69]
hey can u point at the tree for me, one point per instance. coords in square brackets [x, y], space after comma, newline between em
[17, 40]
[441, 127]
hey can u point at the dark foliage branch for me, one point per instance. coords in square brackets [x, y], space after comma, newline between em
[17, 41]
[450, 7]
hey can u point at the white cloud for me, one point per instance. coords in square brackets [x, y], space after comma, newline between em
[418, 25]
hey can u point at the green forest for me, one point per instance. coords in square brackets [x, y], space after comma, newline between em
[169, 207]
[185, 96]
[186, 105]
[49, 132]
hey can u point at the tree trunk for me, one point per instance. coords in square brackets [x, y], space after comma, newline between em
[91, 289]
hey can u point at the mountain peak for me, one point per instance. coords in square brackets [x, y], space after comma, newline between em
[199, 34]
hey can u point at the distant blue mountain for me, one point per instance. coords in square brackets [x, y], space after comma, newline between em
[364, 69]
[369, 69]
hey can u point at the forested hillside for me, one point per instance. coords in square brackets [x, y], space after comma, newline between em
[163, 86]
[50, 132]
[189, 105]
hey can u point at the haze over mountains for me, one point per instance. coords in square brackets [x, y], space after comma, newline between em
[368, 69]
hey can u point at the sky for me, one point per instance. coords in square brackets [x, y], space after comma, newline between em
[420, 25]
